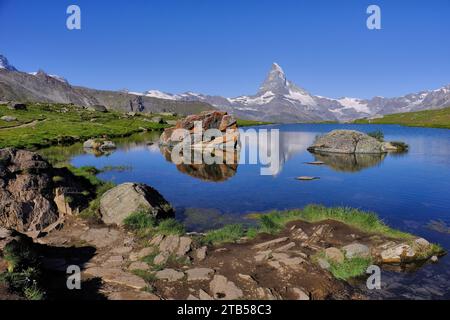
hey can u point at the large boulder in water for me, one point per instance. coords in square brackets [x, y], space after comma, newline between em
[347, 141]
[34, 196]
[127, 198]
[218, 120]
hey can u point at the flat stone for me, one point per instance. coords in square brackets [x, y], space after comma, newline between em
[334, 254]
[222, 288]
[132, 296]
[397, 253]
[184, 246]
[113, 261]
[307, 178]
[356, 250]
[204, 296]
[270, 243]
[286, 247]
[161, 258]
[122, 250]
[169, 244]
[117, 276]
[263, 255]
[142, 253]
[246, 277]
[138, 265]
[169, 275]
[101, 238]
[157, 240]
[198, 274]
[200, 253]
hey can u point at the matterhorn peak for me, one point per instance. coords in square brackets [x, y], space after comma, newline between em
[275, 81]
[4, 64]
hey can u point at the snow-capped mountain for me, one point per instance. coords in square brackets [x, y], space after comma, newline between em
[279, 99]
[4, 64]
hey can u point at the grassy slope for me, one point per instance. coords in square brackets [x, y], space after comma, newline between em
[430, 118]
[55, 126]
[248, 123]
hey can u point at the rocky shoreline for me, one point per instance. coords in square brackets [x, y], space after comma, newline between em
[128, 245]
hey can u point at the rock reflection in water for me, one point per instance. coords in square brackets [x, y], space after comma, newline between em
[217, 172]
[350, 162]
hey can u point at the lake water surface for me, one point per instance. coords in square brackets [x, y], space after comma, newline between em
[409, 191]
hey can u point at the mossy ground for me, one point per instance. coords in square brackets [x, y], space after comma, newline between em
[59, 124]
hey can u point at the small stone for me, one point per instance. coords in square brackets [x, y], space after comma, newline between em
[334, 254]
[8, 118]
[222, 288]
[307, 178]
[203, 295]
[246, 277]
[138, 265]
[169, 244]
[300, 294]
[184, 246]
[198, 274]
[161, 258]
[169, 275]
[191, 297]
[263, 255]
[356, 250]
[157, 240]
[200, 253]
[323, 263]
[434, 259]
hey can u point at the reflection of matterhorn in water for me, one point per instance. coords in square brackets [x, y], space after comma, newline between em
[288, 145]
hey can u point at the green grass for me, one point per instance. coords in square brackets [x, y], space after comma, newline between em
[273, 222]
[350, 268]
[249, 123]
[57, 127]
[143, 224]
[362, 220]
[439, 118]
[228, 233]
[378, 134]
[90, 173]
[24, 273]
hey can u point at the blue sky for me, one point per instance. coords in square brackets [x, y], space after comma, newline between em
[226, 47]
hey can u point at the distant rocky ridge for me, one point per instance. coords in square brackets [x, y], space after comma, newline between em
[277, 100]
[42, 87]
[280, 100]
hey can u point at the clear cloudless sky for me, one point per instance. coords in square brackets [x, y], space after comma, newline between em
[226, 47]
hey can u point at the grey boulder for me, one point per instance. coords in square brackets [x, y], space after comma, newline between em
[127, 198]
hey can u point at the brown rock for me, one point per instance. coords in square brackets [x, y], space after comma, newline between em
[200, 253]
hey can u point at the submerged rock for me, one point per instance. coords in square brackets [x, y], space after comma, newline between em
[123, 200]
[99, 144]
